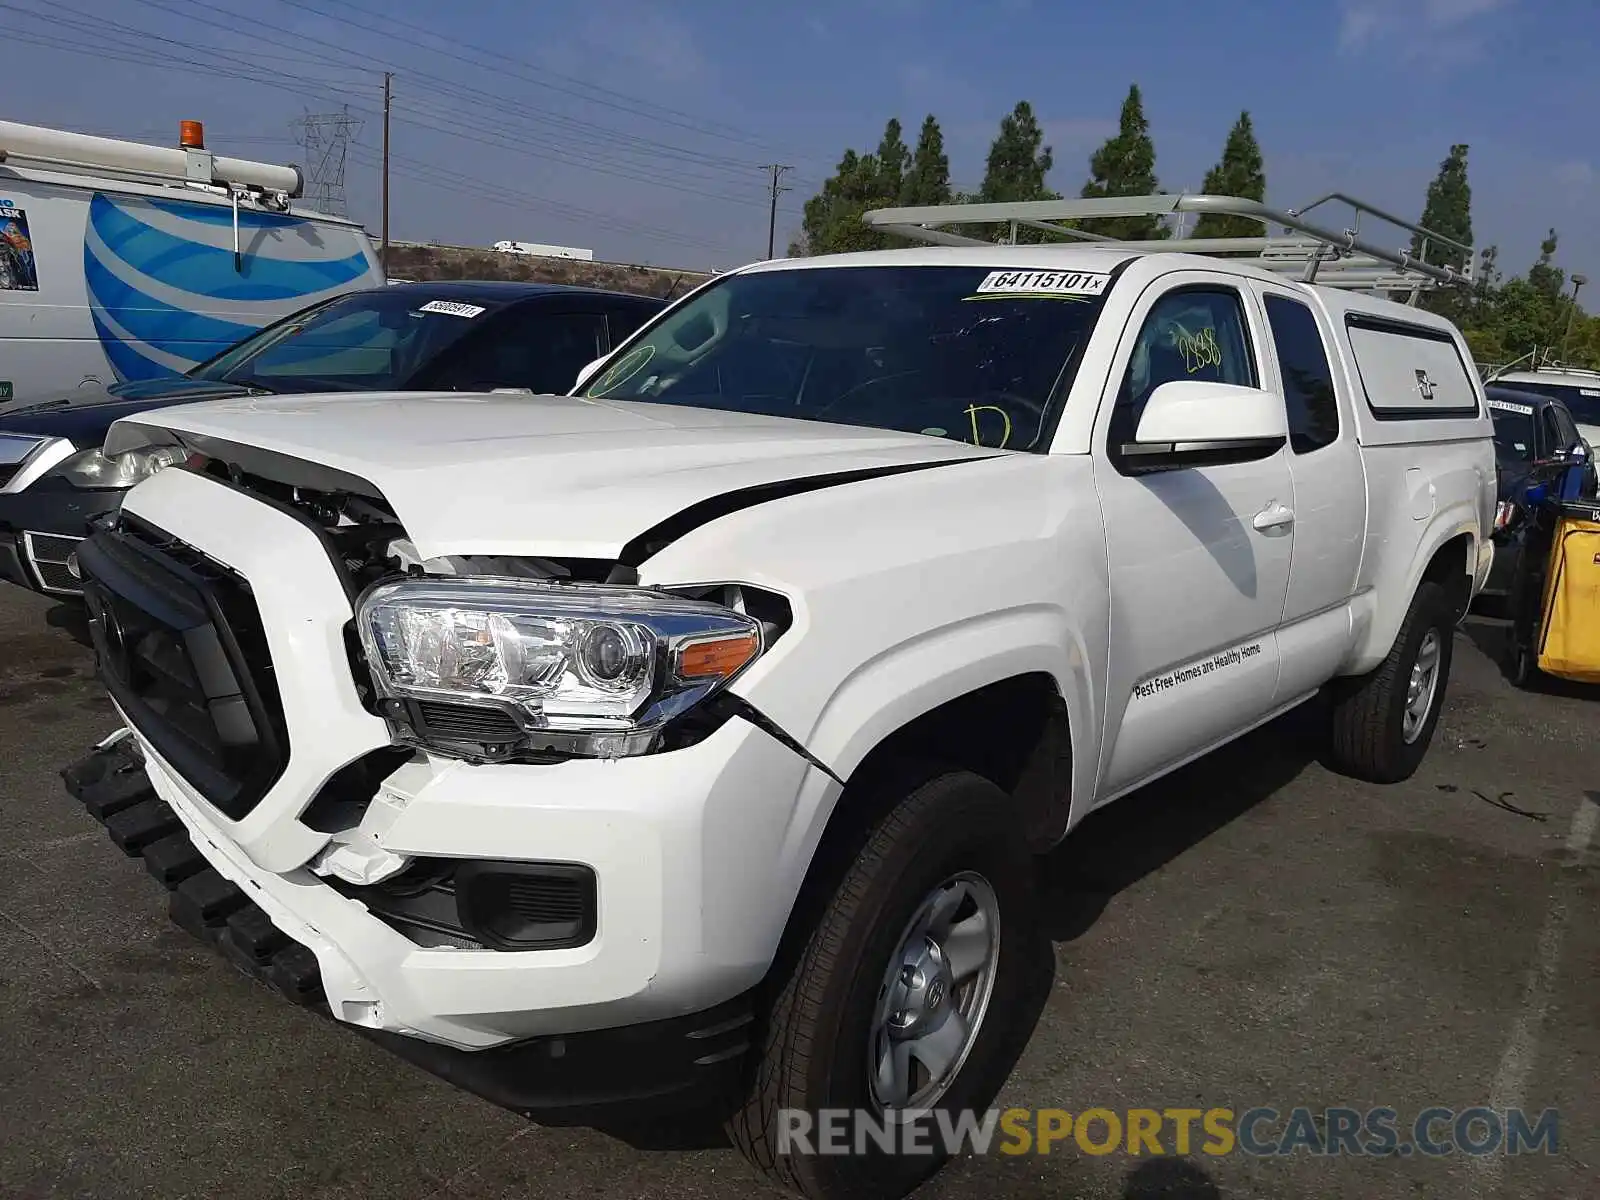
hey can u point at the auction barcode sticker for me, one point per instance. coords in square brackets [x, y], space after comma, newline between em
[1044, 283]
[1506, 406]
[453, 308]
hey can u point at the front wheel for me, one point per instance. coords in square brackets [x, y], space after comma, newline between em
[1383, 721]
[902, 1001]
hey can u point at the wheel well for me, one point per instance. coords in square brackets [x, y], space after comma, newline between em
[1450, 568]
[1013, 733]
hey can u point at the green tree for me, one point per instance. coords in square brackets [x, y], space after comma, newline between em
[1018, 160]
[1448, 212]
[928, 181]
[1016, 168]
[893, 160]
[1125, 166]
[1239, 173]
[832, 222]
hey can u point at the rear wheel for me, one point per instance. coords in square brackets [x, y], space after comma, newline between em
[1383, 721]
[903, 999]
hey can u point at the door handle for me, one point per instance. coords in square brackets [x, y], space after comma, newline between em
[1274, 516]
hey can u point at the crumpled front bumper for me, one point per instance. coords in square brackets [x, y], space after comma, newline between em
[670, 1064]
[680, 843]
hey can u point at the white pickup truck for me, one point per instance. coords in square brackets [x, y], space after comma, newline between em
[689, 736]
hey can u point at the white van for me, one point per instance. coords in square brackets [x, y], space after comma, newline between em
[126, 262]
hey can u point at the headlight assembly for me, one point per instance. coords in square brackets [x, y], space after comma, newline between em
[92, 469]
[572, 668]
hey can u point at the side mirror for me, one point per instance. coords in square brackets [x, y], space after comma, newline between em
[1189, 422]
[588, 371]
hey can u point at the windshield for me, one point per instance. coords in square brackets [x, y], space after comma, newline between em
[967, 353]
[363, 342]
[1514, 433]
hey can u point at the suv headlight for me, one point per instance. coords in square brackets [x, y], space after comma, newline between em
[570, 668]
[92, 469]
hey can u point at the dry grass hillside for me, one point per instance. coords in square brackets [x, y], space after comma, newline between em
[464, 262]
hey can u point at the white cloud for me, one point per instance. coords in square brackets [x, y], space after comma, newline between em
[1364, 22]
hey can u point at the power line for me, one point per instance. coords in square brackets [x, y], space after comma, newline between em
[326, 138]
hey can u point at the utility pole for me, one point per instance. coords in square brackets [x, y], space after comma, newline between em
[383, 256]
[777, 170]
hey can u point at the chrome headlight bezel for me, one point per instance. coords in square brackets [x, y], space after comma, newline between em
[524, 648]
[93, 470]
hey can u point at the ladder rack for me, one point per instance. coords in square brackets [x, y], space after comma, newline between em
[1317, 254]
[187, 165]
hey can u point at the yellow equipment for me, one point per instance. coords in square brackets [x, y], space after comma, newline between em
[1569, 635]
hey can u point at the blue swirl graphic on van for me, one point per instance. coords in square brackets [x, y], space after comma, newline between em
[165, 291]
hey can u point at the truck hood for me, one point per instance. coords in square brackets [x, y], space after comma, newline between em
[554, 476]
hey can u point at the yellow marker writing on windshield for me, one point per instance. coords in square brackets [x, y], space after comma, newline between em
[973, 412]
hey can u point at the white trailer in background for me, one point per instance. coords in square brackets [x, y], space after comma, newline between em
[542, 251]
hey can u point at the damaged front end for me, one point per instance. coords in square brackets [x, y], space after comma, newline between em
[497, 658]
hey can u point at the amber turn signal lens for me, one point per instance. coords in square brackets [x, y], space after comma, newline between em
[716, 659]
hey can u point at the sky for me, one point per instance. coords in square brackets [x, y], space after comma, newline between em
[641, 129]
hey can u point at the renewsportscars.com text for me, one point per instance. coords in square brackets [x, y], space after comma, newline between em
[1373, 1132]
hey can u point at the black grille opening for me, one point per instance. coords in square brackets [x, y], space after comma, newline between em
[527, 906]
[474, 904]
[181, 648]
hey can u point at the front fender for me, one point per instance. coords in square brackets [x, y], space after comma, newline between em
[916, 676]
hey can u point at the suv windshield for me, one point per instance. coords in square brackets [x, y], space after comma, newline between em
[956, 352]
[363, 342]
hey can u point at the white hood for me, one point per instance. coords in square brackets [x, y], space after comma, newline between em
[556, 476]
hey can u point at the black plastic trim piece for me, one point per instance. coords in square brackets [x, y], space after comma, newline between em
[481, 912]
[738, 706]
[661, 535]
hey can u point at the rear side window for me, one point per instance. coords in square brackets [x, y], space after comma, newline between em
[1410, 372]
[1307, 378]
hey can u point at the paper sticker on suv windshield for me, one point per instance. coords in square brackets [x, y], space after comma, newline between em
[453, 307]
[1506, 406]
[1043, 283]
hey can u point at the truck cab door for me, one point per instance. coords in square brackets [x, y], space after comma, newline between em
[1330, 492]
[1198, 555]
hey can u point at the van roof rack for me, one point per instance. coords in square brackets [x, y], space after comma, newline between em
[1317, 254]
[188, 164]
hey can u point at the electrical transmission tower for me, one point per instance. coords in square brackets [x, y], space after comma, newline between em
[326, 138]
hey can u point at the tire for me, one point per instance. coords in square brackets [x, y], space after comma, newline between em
[1371, 739]
[1519, 665]
[818, 1039]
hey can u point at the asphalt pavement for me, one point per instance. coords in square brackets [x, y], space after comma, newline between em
[1252, 932]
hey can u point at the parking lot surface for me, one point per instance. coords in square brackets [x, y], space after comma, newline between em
[1253, 931]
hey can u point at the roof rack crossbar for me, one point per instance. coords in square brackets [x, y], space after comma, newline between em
[1342, 257]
